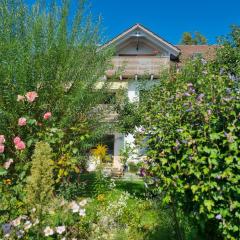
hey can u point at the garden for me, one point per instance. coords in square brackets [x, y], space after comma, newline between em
[189, 124]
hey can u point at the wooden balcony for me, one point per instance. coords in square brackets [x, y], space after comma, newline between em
[134, 66]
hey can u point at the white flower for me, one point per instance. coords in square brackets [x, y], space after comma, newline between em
[63, 238]
[63, 202]
[34, 210]
[60, 229]
[91, 167]
[20, 233]
[82, 212]
[36, 222]
[7, 164]
[27, 225]
[16, 222]
[48, 231]
[83, 202]
[74, 206]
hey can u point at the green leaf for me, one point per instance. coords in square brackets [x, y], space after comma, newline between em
[74, 150]
[209, 204]
[3, 171]
[32, 121]
[229, 160]
[214, 136]
[235, 228]
[194, 188]
[29, 142]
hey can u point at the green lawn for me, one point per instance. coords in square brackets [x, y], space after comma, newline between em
[145, 218]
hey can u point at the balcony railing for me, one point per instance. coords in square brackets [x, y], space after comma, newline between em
[130, 66]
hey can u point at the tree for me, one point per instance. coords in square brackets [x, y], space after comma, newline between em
[190, 39]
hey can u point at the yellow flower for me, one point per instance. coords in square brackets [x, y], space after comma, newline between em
[7, 181]
[100, 151]
[101, 197]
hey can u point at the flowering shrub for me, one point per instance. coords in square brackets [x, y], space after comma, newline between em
[59, 221]
[192, 124]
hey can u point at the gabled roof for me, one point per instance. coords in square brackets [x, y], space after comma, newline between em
[207, 51]
[173, 49]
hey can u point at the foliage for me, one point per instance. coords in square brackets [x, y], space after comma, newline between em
[49, 68]
[125, 153]
[45, 51]
[133, 167]
[39, 188]
[190, 39]
[90, 218]
[61, 219]
[191, 123]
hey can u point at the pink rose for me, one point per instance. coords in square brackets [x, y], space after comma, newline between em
[16, 140]
[47, 115]
[22, 121]
[20, 145]
[20, 98]
[31, 96]
[2, 139]
[2, 148]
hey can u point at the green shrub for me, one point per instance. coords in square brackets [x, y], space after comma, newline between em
[39, 188]
[194, 145]
[192, 128]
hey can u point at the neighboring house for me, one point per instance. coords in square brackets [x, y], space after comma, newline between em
[140, 53]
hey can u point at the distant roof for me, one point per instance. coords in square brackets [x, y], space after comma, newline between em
[187, 51]
[175, 49]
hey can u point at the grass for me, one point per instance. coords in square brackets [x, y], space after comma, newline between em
[147, 218]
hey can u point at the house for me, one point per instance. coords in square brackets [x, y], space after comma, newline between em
[140, 53]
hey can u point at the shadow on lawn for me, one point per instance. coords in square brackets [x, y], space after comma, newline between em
[135, 188]
[89, 185]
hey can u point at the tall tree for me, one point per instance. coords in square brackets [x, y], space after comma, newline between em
[193, 39]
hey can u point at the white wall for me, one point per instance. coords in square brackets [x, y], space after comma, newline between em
[133, 95]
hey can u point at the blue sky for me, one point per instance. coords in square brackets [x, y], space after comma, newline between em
[168, 18]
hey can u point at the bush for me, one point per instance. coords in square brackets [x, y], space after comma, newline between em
[39, 188]
[192, 124]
